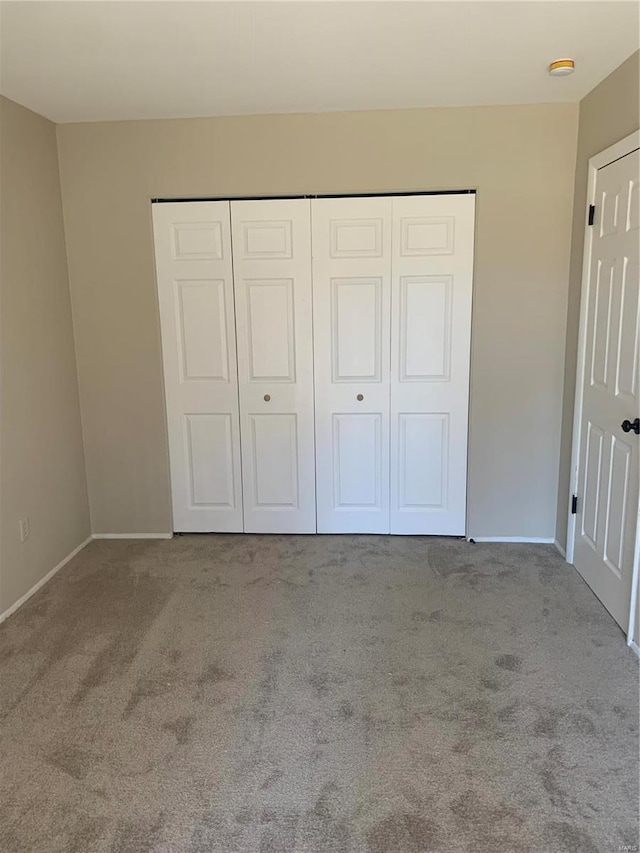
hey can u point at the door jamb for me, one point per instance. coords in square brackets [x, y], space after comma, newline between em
[632, 640]
[598, 161]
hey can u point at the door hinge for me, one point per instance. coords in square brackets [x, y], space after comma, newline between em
[574, 504]
[592, 213]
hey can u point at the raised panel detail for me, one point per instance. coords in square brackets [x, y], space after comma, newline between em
[196, 241]
[425, 328]
[356, 238]
[356, 329]
[202, 330]
[264, 240]
[592, 479]
[609, 217]
[274, 451]
[271, 330]
[602, 330]
[633, 206]
[209, 449]
[357, 460]
[431, 235]
[423, 441]
[617, 505]
[627, 358]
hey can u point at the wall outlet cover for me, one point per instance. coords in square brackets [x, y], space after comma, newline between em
[25, 528]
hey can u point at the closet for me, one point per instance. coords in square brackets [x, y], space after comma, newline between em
[316, 362]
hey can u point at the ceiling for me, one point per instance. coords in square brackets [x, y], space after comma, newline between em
[94, 61]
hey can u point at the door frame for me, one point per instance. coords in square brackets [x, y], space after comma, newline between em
[604, 158]
[468, 190]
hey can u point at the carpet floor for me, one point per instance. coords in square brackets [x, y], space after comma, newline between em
[316, 694]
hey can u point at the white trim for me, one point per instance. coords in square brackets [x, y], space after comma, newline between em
[633, 604]
[559, 548]
[534, 540]
[635, 648]
[598, 161]
[616, 151]
[44, 580]
[132, 536]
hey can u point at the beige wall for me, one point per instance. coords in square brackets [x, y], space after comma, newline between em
[521, 160]
[608, 113]
[43, 471]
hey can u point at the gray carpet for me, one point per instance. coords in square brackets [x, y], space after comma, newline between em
[316, 694]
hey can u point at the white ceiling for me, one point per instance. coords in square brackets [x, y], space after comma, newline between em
[93, 61]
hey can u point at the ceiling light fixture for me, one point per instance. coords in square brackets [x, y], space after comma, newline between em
[562, 67]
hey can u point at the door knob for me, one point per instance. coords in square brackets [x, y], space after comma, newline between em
[267, 397]
[360, 397]
[627, 426]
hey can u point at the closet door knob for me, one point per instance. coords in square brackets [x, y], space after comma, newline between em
[360, 397]
[267, 397]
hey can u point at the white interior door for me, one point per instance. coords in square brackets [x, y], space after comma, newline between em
[608, 460]
[351, 304]
[431, 332]
[272, 274]
[195, 292]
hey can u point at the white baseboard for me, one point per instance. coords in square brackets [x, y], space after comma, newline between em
[635, 648]
[534, 540]
[133, 536]
[560, 548]
[44, 580]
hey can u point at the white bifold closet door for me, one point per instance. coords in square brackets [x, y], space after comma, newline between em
[319, 390]
[272, 274]
[392, 284]
[195, 292]
[351, 310]
[430, 353]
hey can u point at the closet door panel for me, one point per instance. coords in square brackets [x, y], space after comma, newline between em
[431, 332]
[195, 294]
[351, 298]
[272, 280]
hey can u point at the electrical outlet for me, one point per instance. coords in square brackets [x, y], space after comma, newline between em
[25, 528]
